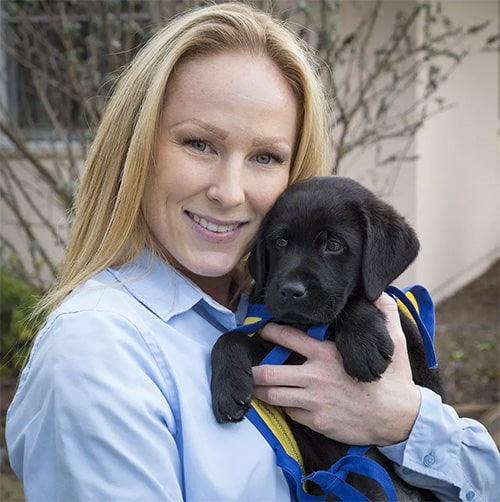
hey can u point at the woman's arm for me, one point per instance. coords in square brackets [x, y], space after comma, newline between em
[453, 457]
[390, 411]
[90, 420]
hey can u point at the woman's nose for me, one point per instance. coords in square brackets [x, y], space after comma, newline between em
[227, 184]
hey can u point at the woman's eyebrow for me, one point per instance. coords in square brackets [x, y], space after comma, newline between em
[216, 131]
[222, 134]
[267, 140]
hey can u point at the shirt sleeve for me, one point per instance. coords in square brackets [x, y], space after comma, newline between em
[91, 419]
[454, 457]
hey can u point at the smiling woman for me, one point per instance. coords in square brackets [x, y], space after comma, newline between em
[213, 119]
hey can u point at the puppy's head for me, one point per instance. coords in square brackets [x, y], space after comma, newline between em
[324, 240]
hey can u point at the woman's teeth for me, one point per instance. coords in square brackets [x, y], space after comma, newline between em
[212, 226]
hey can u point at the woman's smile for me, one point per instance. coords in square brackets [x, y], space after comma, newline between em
[213, 225]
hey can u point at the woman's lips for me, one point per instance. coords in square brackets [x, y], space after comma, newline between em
[212, 226]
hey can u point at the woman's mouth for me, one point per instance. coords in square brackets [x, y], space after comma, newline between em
[213, 227]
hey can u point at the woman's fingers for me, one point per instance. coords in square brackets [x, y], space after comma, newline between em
[287, 397]
[389, 307]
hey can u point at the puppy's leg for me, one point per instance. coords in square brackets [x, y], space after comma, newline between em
[362, 340]
[232, 382]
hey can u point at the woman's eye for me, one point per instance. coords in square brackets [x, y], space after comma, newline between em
[198, 144]
[268, 158]
[264, 158]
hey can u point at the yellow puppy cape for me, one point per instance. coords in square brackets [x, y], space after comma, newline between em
[417, 304]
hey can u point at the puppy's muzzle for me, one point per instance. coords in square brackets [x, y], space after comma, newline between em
[292, 292]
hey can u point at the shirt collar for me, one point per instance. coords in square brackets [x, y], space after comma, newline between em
[165, 291]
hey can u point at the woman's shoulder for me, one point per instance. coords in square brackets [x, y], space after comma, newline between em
[100, 326]
[96, 316]
[102, 293]
[145, 286]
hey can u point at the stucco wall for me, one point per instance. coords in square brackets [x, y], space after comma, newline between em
[451, 193]
[458, 175]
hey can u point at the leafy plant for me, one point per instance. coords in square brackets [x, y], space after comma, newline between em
[17, 300]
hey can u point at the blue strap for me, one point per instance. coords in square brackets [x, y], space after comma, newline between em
[334, 479]
[426, 313]
[290, 467]
[278, 355]
[424, 318]
[258, 310]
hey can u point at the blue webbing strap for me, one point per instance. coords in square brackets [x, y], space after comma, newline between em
[334, 479]
[424, 319]
[290, 467]
[279, 354]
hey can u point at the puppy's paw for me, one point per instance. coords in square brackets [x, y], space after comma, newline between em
[231, 395]
[369, 362]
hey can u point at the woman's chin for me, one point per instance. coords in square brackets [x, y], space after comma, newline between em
[209, 268]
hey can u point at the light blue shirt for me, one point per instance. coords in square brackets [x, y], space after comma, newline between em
[115, 405]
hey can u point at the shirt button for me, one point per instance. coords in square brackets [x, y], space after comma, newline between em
[470, 495]
[428, 460]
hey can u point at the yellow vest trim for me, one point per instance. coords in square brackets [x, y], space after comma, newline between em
[274, 417]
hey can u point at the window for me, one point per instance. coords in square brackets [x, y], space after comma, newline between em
[60, 58]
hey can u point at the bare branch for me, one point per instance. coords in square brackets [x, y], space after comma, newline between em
[15, 137]
[28, 198]
[9, 198]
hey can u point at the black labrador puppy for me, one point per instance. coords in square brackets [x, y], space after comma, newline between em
[326, 250]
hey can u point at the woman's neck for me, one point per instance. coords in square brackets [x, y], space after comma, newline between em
[218, 288]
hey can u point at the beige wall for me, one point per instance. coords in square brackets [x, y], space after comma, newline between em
[451, 194]
[457, 213]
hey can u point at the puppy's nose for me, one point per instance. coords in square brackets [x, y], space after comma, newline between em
[292, 290]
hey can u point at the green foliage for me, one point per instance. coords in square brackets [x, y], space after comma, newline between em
[17, 300]
[458, 355]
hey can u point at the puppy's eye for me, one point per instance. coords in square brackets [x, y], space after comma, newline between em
[334, 245]
[281, 243]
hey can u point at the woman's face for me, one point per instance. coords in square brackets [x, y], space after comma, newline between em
[223, 155]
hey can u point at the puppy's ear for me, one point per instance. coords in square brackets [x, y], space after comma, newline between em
[389, 248]
[258, 262]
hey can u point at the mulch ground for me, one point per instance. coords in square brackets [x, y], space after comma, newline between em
[468, 341]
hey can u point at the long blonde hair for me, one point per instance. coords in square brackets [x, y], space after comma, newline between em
[109, 228]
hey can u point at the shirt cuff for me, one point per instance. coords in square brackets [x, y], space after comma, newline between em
[430, 457]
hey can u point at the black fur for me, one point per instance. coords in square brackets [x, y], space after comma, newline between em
[326, 250]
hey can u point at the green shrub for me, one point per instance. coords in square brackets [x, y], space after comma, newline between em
[17, 300]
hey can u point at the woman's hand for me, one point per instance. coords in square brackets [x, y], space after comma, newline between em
[320, 395]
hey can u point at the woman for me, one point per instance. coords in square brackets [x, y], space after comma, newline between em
[214, 118]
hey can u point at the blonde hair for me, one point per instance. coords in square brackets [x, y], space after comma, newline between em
[109, 228]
